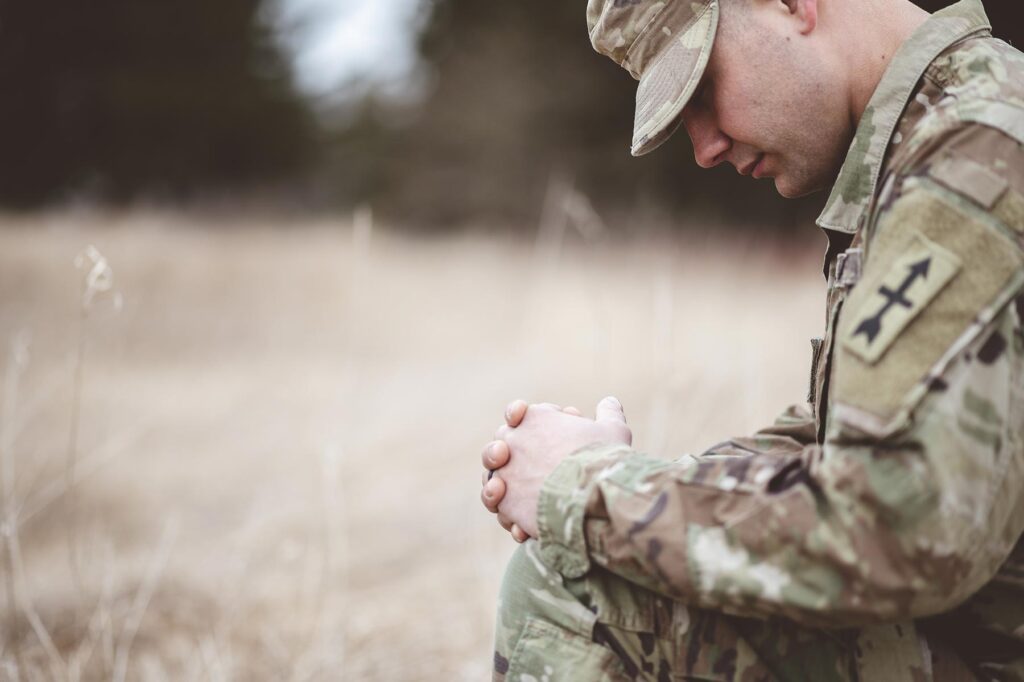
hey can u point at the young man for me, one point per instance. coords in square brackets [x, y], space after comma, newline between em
[874, 533]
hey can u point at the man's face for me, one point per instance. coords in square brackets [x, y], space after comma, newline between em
[767, 103]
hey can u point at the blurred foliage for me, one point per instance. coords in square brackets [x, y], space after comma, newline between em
[519, 95]
[115, 99]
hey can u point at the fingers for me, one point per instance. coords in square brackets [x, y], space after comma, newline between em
[610, 410]
[505, 522]
[518, 534]
[492, 493]
[515, 412]
[495, 455]
[486, 475]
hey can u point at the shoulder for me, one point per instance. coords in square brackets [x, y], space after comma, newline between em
[982, 66]
[963, 130]
[977, 81]
[970, 165]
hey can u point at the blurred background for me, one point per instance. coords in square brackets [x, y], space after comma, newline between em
[437, 113]
[270, 271]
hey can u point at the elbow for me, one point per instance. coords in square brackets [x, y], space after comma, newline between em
[927, 569]
[908, 543]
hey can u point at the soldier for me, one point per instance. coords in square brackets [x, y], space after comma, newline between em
[873, 534]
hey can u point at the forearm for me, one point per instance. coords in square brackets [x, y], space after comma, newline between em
[858, 531]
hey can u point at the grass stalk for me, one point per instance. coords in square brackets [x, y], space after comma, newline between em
[16, 365]
[71, 462]
[18, 593]
[143, 596]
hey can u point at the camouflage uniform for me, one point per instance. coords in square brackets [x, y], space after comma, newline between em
[875, 533]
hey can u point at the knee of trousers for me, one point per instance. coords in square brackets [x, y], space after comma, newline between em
[602, 627]
[543, 631]
[531, 590]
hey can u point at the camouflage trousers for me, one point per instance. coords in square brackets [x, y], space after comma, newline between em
[603, 628]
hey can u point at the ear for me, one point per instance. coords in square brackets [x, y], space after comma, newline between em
[806, 12]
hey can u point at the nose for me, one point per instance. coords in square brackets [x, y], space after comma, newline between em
[710, 144]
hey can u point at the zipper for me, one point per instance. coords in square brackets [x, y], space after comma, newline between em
[812, 389]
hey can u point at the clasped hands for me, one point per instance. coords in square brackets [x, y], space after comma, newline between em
[533, 440]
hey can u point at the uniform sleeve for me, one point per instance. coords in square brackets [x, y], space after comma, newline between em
[916, 496]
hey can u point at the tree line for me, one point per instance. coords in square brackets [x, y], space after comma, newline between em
[117, 100]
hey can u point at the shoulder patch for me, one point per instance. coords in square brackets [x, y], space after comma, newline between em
[901, 325]
[1010, 210]
[913, 281]
[969, 178]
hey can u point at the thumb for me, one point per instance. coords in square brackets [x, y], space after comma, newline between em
[610, 410]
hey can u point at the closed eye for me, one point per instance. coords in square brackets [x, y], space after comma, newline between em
[701, 92]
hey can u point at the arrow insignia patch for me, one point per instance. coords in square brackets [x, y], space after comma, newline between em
[912, 281]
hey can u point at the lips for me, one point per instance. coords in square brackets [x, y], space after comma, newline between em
[749, 168]
[758, 170]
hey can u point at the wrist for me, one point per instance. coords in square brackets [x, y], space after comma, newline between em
[562, 504]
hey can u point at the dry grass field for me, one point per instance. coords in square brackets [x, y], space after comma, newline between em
[256, 456]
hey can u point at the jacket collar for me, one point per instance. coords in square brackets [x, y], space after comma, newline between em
[855, 186]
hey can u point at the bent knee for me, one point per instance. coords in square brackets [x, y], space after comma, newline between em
[543, 629]
[532, 589]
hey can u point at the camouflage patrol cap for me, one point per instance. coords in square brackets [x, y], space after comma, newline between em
[664, 44]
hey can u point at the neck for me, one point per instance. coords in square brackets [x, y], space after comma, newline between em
[884, 26]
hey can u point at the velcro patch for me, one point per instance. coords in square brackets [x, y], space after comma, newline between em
[971, 179]
[1010, 210]
[911, 283]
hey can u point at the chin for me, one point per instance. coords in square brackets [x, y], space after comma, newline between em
[786, 190]
[794, 190]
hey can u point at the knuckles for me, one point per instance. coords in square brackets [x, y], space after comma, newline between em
[498, 454]
[625, 433]
[618, 433]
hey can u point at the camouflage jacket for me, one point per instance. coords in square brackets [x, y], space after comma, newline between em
[898, 493]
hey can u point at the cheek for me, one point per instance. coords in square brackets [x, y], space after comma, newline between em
[747, 110]
[736, 114]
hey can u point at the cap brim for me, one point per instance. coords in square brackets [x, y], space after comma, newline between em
[670, 81]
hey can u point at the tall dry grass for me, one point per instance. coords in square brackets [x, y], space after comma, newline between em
[262, 464]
